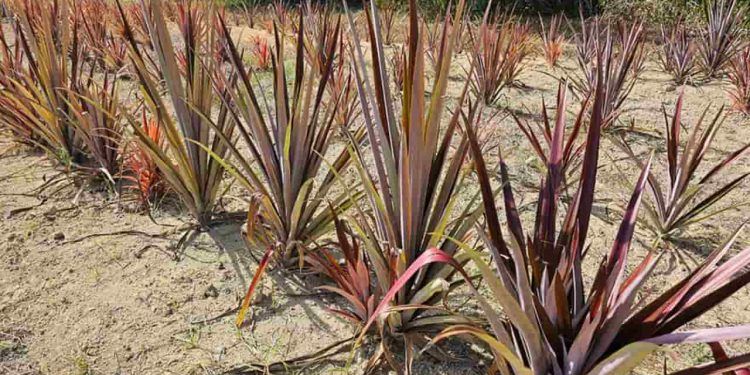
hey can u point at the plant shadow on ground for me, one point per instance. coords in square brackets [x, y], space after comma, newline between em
[294, 291]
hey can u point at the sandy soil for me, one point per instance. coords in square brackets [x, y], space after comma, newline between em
[78, 298]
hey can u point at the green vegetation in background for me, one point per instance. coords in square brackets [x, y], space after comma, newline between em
[651, 11]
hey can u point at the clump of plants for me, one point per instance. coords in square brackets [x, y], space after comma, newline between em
[678, 51]
[188, 117]
[623, 48]
[49, 99]
[499, 50]
[543, 316]
[720, 36]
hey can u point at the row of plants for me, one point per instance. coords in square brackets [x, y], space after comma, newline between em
[389, 218]
[502, 43]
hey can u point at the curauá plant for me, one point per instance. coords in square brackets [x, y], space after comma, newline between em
[553, 39]
[94, 114]
[542, 143]
[498, 51]
[188, 158]
[14, 69]
[342, 86]
[624, 61]
[285, 168]
[398, 66]
[47, 74]
[262, 53]
[551, 321]
[139, 167]
[320, 26]
[432, 38]
[412, 195]
[95, 29]
[686, 199]
[677, 56]
[720, 36]
[351, 278]
[388, 20]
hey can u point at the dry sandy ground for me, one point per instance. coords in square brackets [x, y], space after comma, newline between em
[136, 304]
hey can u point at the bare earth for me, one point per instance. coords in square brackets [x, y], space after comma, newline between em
[135, 303]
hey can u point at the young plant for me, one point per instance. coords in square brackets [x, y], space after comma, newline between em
[188, 160]
[721, 36]
[499, 51]
[553, 39]
[677, 53]
[140, 168]
[543, 318]
[739, 76]
[262, 54]
[685, 200]
[351, 279]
